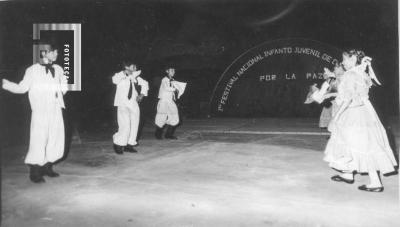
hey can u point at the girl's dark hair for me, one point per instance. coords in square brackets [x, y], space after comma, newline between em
[358, 53]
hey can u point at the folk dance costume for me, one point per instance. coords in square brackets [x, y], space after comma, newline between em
[329, 111]
[325, 117]
[333, 91]
[167, 110]
[46, 85]
[130, 90]
[325, 96]
[358, 139]
[326, 113]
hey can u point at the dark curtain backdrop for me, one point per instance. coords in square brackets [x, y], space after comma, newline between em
[199, 38]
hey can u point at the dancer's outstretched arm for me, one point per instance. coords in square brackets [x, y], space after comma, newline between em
[21, 87]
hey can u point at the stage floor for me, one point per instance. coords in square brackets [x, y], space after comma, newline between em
[221, 172]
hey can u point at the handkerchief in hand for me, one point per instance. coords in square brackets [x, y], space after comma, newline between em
[180, 86]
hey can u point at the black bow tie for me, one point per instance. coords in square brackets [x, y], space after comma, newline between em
[170, 81]
[137, 88]
[49, 67]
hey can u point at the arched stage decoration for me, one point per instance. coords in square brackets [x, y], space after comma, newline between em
[272, 79]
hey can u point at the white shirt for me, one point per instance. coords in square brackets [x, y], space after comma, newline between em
[167, 90]
[122, 81]
[43, 90]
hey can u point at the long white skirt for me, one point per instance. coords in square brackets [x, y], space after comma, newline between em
[359, 142]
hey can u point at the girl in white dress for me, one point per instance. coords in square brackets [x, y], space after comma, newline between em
[358, 142]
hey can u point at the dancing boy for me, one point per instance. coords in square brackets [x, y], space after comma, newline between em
[46, 84]
[130, 91]
[167, 111]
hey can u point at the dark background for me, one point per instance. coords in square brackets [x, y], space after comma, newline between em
[200, 38]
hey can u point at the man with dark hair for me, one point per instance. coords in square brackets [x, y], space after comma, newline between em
[130, 91]
[46, 84]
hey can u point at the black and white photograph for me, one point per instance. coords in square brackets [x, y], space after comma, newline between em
[199, 113]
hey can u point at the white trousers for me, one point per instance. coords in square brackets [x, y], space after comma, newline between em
[128, 125]
[47, 136]
[167, 113]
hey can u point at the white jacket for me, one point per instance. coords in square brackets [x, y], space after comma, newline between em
[122, 81]
[167, 90]
[43, 90]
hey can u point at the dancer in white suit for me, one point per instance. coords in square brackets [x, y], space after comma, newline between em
[130, 91]
[167, 110]
[358, 142]
[46, 84]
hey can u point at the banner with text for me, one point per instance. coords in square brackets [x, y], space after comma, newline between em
[272, 79]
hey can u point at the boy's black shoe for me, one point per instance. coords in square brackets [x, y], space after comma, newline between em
[47, 170]
[118, 149]
[129, 148]
[35, 174]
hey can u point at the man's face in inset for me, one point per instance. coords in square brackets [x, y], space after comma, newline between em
[48, 52]
[52, 55]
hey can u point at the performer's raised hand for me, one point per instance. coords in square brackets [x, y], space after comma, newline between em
[4, 83]
[132, 76]
[328, 73]
[366, 60]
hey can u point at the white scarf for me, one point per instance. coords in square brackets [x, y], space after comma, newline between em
[366, 62]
